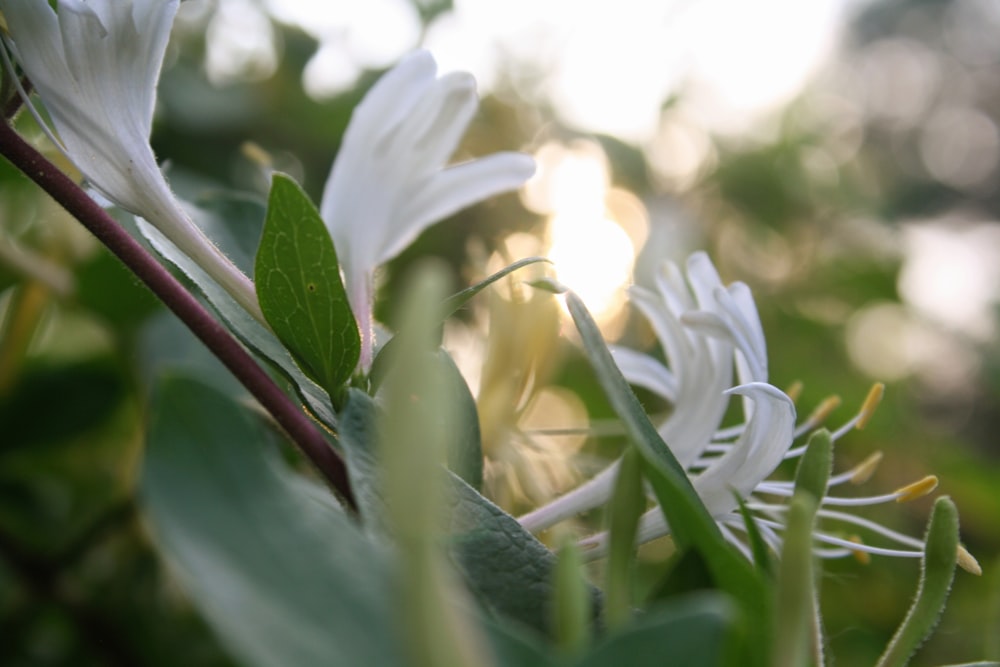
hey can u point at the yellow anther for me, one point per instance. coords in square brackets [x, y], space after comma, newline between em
[916, 490]
[862, 557]
[794, 392]
[823, 410]
[864, 471]
[872, 400]
[256, 154]
[968, 562]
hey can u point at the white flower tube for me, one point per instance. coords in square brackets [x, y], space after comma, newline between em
[389, 182]
[95, 65]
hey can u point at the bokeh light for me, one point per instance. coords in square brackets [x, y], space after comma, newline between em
[587, 238]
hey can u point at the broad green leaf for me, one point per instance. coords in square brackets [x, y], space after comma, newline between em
[688, 631]
[357, 436]
[689, 520]
[937, 572]
[505, 567]
[274, 565]
[300, 289]
[514, 647]
[250, 332]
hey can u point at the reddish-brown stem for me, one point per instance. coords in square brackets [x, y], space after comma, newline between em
[216, 337]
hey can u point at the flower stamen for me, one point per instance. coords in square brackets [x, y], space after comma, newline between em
[917, 489]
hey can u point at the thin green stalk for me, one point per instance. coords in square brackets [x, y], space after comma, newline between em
[627, 505]
[937, 573]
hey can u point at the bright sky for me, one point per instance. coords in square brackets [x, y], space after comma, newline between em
[605, 66]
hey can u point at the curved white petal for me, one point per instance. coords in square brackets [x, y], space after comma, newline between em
[389, 181]
[454, 189]
[95, 64]
[759, 450]
[644, 371]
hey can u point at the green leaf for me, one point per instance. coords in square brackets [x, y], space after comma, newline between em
[505, 567]
[814, 468]
[456, 301]
[571, 606]
[758, 547]
[796, 585]
[508, 570]
[627, 505]
[689, 520]
[688, 631]
[937, 572]
[300, 289]
[797, 615]
[250, 332]
[464, 456]
[514, 647]
[270, 560]
[413, 437]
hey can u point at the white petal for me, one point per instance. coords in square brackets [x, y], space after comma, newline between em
[756, 454]
[454, 189]
[438, 123]
[644, 371]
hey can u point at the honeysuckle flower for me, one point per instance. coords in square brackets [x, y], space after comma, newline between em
[95, 65]
[389, 181]
[706, 330]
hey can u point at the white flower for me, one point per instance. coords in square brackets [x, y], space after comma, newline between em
[95, 64]
[706, 330]
[389, 182]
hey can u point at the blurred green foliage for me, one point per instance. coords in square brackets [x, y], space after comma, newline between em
[79, 581]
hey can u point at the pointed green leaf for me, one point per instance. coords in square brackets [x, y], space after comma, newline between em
[689, 520]
[758, 547]
[690, 630]
[300, 289]
[796, 585]
[627, 505]
[414, 433]
[937, 572]
[571, 605]
[814, 468]
[277, 569]
[251, 333]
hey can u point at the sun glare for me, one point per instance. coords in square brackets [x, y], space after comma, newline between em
[589, 246]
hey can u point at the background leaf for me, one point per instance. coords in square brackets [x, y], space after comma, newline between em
[274, 565]
[687, 632]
